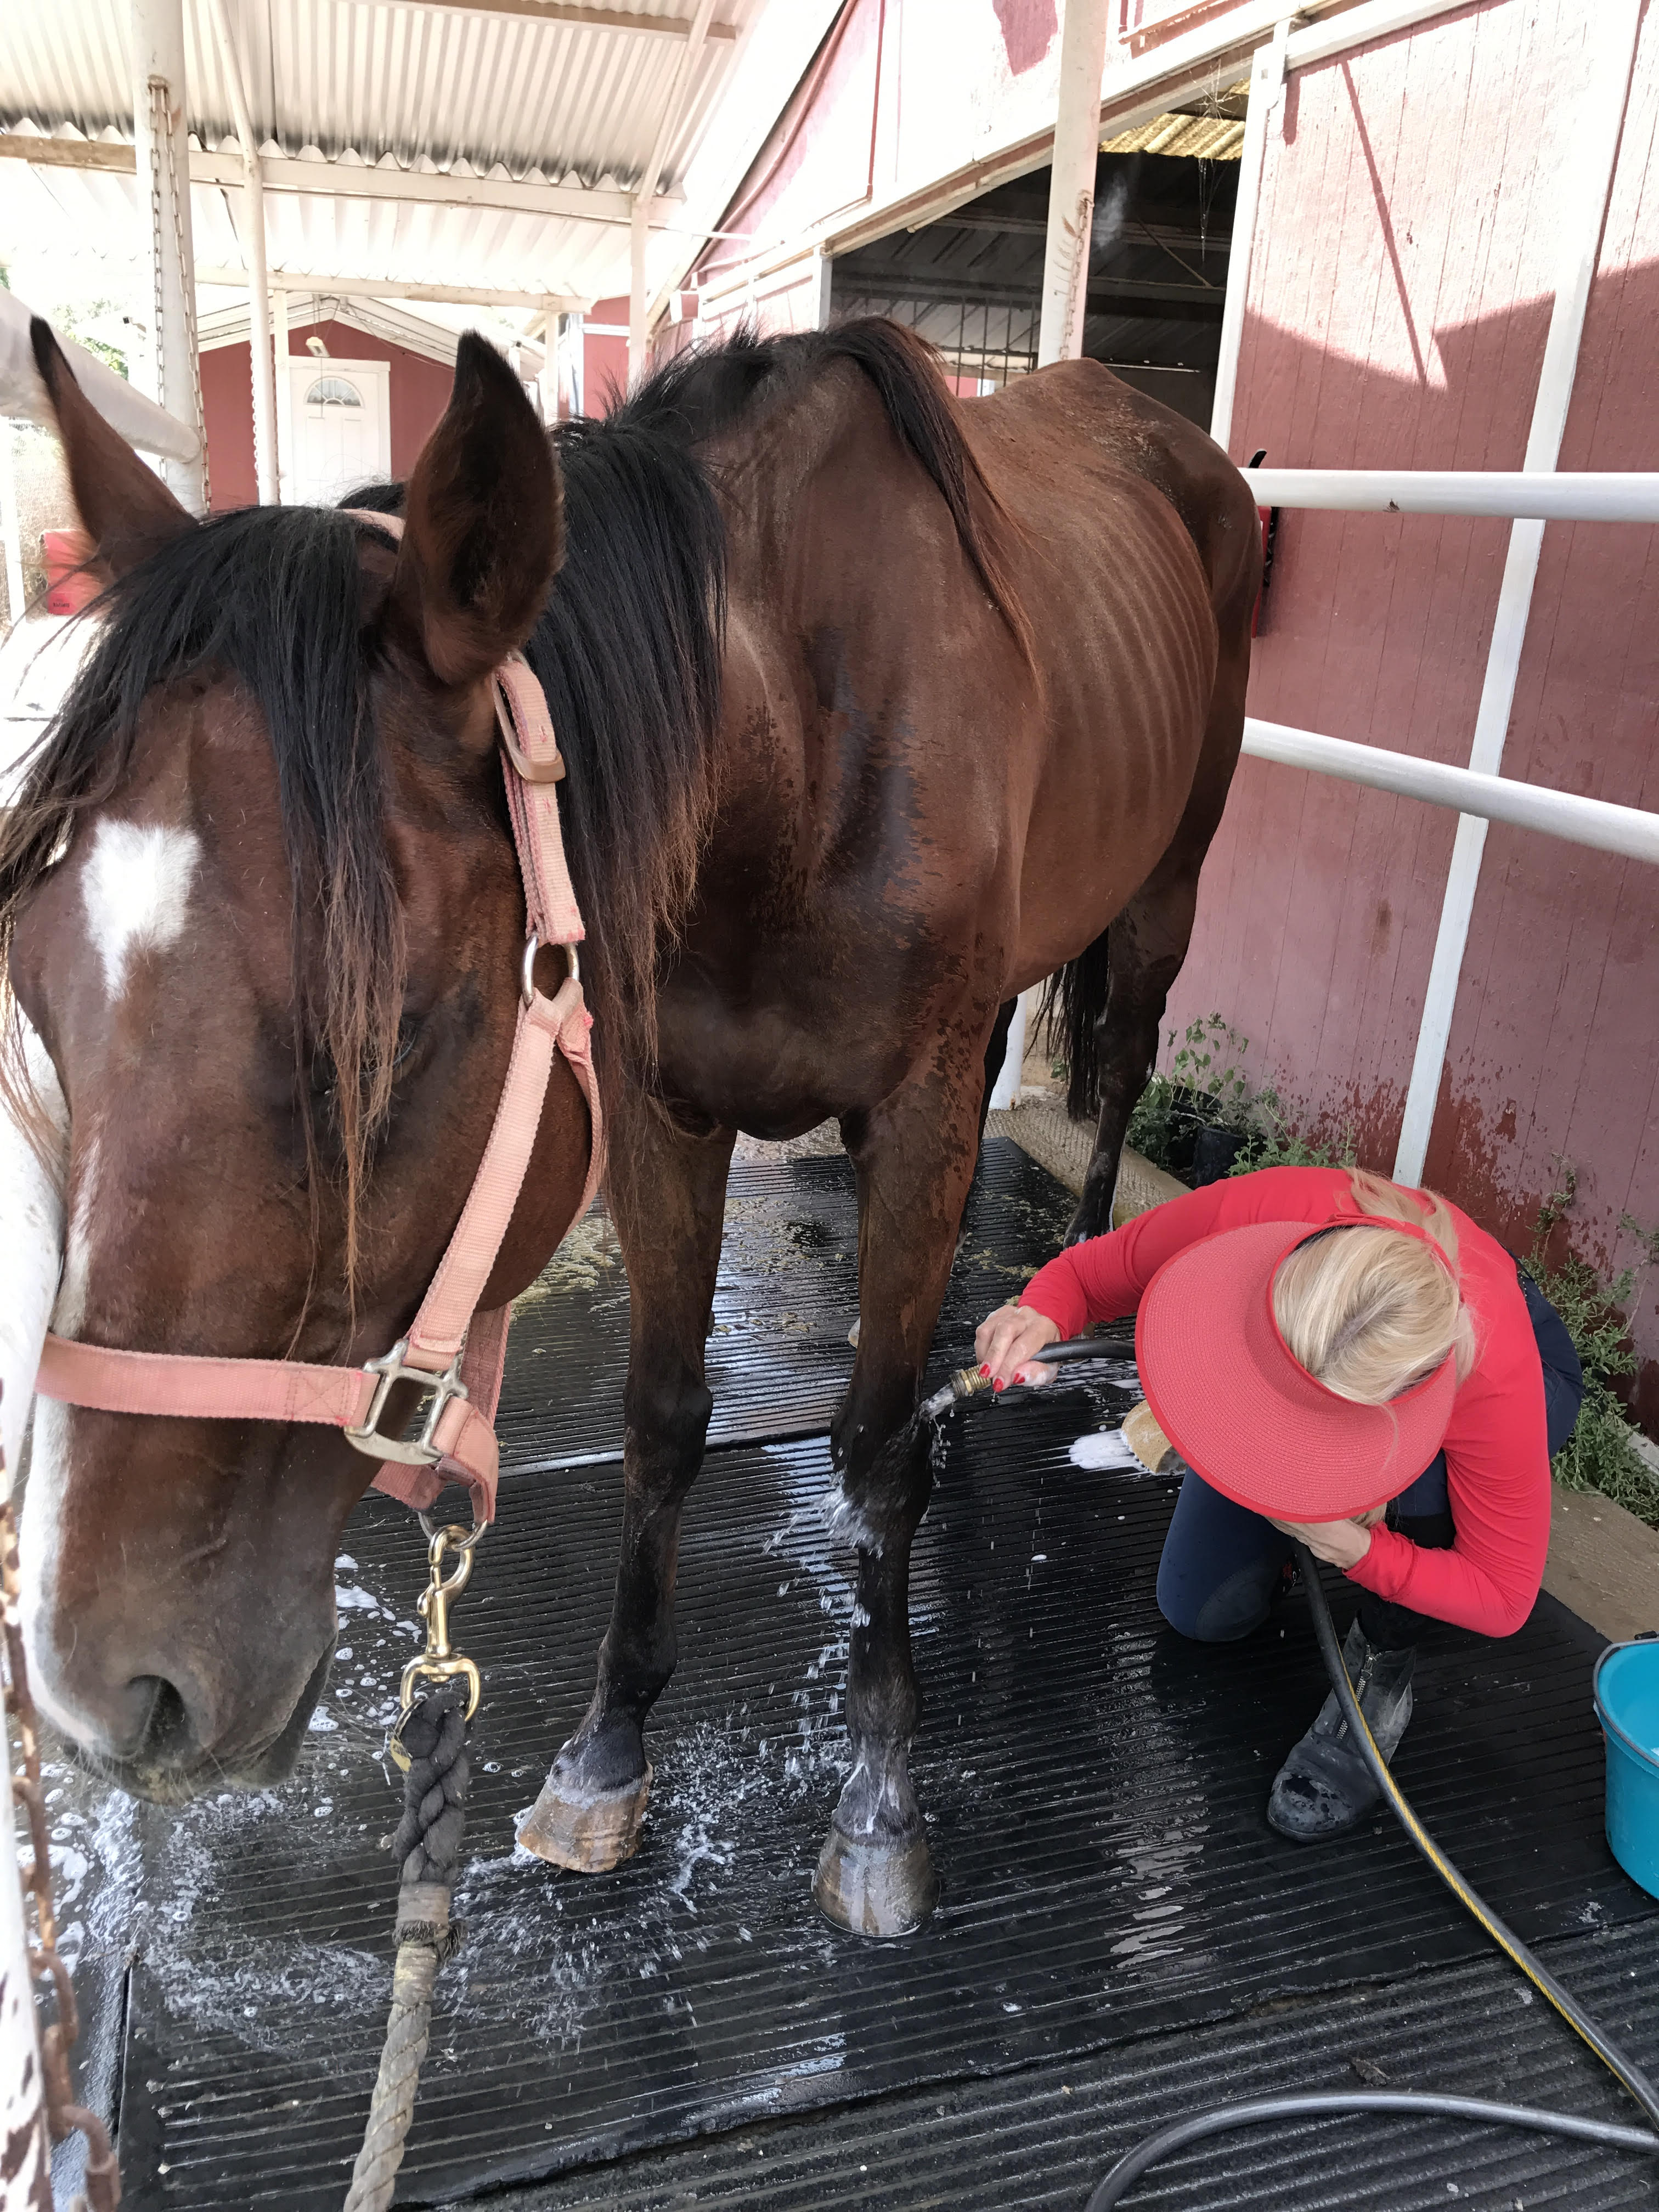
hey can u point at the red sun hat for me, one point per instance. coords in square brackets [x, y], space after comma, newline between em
[1245, 1414]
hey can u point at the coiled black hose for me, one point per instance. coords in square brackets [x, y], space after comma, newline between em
[1259, 2111]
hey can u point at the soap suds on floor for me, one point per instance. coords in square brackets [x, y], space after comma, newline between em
[1104, 1448]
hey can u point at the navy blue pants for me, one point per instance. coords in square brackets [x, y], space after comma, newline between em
[1223, 1565]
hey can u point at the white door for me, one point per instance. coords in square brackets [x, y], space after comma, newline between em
[342, 426]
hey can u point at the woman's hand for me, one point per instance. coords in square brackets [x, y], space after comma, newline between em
[1007, 1339]
[1339, 1543]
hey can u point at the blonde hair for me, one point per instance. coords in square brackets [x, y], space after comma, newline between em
[1369, 1312]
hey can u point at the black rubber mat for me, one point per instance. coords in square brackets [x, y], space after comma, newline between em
[1037, 2140]
[1095, 1789]
[778, 1354]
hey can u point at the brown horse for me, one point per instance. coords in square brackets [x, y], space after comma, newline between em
[878, 710]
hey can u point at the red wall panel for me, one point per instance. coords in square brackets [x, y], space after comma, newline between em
[419, 393]
[1399, 295]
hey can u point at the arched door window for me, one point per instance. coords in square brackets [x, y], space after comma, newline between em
[331, 391]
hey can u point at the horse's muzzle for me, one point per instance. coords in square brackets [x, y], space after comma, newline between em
[168, 1765]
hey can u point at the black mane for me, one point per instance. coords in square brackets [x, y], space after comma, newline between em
[629, 649]
[709, 389]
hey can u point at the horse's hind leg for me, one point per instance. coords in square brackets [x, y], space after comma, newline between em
[914, 1158]
[1147, 943]
[669, 1211]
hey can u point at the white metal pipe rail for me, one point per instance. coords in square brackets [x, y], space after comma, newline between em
[1630, 830]
[1531, 495]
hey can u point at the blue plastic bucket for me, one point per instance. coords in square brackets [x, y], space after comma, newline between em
[1627, 1687]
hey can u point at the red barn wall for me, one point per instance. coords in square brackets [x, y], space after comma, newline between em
[1399, 297]
[605, 360]
[418, 392]
[227, 408]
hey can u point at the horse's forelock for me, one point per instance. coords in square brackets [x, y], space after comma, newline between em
[270, 596]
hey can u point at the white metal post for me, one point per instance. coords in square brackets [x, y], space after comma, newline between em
[639, 335]
[1267, 86]
[575, 332]
[1632, 830]
[1584, 204]
[1575, 496]
[679, 92]
[164, 175]
[284, 421]
[10, 529]
[547, 384]
[1066, 285]
[1072, 185]
[253, 243]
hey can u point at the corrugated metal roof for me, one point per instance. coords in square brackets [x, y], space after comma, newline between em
[378, 79]
[388, 84]
[1211, 134]
[1201, 137]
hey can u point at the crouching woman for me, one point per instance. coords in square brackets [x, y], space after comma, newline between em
[1338, 1359]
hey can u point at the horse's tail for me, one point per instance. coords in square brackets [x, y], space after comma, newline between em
[1076, 996]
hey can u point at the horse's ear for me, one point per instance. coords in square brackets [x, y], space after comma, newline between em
[482, 528]
[123, 504]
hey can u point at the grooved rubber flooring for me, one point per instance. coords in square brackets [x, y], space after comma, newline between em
[1094, 1788]
[787, 1293]
[1038, 2140]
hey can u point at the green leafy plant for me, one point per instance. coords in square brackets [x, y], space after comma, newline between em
[1204, 1088]
[1272, 1143]
[1601, 1454]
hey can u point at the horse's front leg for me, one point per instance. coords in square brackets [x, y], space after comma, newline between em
[669, 1205]
[914, 1157]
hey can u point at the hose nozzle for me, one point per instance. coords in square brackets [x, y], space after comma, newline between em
[964, 1383]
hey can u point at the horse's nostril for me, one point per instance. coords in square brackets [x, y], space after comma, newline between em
[165, 1737]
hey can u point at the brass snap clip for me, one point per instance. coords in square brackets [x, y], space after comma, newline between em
[438, 1663]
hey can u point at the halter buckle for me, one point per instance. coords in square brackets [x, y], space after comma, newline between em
[393, 1367]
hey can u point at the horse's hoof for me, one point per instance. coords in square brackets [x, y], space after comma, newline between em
[880, 1890]
[589, 1831]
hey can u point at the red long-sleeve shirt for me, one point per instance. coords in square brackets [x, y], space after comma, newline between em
[1497, 1464]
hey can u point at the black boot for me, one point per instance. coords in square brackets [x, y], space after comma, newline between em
[1325, 1787]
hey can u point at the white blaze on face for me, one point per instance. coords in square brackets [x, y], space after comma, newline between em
[135, 887]
[32, 1237]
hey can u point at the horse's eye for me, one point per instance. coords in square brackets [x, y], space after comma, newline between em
[408, 1035]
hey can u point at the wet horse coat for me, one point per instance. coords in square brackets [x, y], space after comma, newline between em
[975, 701]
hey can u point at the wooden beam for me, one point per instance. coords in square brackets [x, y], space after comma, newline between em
[562, 203]
[581, 18]
[69, 153]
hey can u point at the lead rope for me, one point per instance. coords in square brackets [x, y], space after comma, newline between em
[56, 2037]
[429, 1743]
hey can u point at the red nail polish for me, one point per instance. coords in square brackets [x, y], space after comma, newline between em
[984, 1371]
[997, 1386]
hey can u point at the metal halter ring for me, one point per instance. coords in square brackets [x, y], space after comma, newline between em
[460, 1540]
[533, 946]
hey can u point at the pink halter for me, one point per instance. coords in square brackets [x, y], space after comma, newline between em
[451, 1351]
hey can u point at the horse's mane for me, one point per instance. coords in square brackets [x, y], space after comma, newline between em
[712, 388]
[630, 645]
[629, 649]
